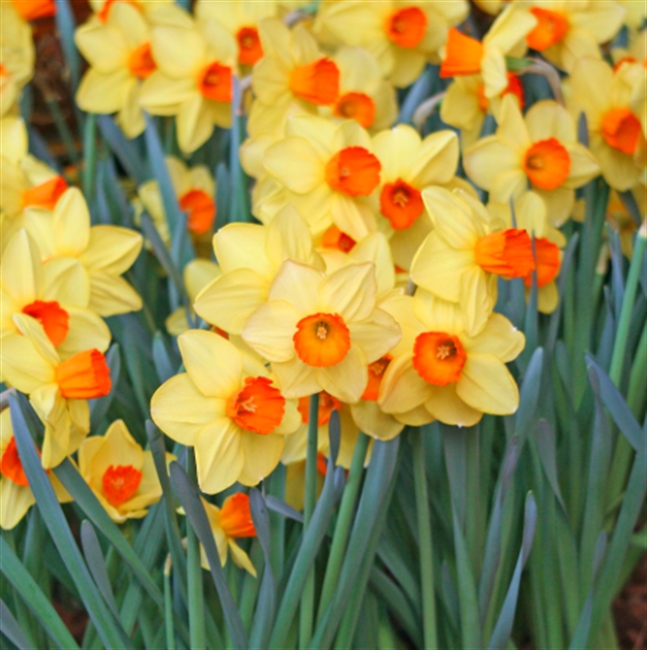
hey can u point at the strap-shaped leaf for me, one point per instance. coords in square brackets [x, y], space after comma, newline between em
[97, 564]
[99, 407]
[190, 500]
[548, 457]
[10, 627]
[125, 150]
[108, 628]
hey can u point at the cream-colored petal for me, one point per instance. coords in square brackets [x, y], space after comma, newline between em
[66, 281]
[299, 285]
[352, 216]
[262, 455]
[110, 295]
[374, 422]
[269, 330]
[488, 159]
[87, 331]
[394, 149]
[178, 52]
[288, 236]
[295, 378]
[15, 501]
[547, 119]
[219, 457]
[486, 385]
[242, 245]
[295, 163]
[181, 411]
[103, 93]
[437, 159]
[194, 123]
[21, 275]
[402, 388]
[347, 379]
[350, 291]
[445, 405]
[499, 338]
[71, 223]
[111, 249]
[377, 335]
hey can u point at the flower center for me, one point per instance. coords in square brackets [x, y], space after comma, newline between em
[376, 372]
[120, 484]
[250, 49]
[353, 171]
[548, 263]
[547, 164]
[10, 465]
[401, 204]
[439, 357]
[621, 130]
[44, 195]
[215, 82]
[358, 107]
[406, 27]
[140, 61]
[327, 404]
[507, 253]
[322, 340]
[463, 55]
[52, 317]
[200, 209]
[335, 239]
[257, 407]
[316, 82]
[236, 516]
[551, 28]
[84, 376]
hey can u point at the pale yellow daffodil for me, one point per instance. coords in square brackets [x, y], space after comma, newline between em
[105, 252]
[16, 56]
[120, 473]
[538, 152]
[321, 331]
[440, 372]
[227, 406]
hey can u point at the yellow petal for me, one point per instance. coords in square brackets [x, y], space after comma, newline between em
[353, 216]
[66, 281]
[218, 455]
[295, 378]
[288, 236]
[177, 51]
[15, 500]
[21, 273]
[402, 388]
[240, 558]
[499, 338]
[347, 379]
[374, 422]
[452, 217]
[445, 405]
[242, 245]
[295, 163]
[103, 93]
[111, 249]
[584, 167]
[71, 223]
[377, 335]
[486, 385]
[299, 285]
[87, 331]
[478, 297]
[194, 123]
[394, 149]
[350, 291]
[269, 331]
[437, 160]
[163, 95]
[110, 295]
[262, 454]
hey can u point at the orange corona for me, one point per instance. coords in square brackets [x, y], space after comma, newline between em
[354, 171]
[463, 55]
[316, 82]
[439, 358]
[53, 318]
[547, 164]
[322, 340]
[257, 407]
[84, 376]
[250, 49]
[236, 516]
[200, 209]
[401, 204]
[140, 61]
[45, 195]
[507, 253]
[215, 82]
[120, 484]
[358, 107]
[621, 130]
[551, 28]
[406, 27]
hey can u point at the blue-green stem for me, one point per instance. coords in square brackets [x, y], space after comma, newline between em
[194, 574]
[90, 155]
[425, 544]
[308, 597]
[343, 525]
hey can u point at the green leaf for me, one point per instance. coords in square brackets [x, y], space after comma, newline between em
[108, 628]
[124, 149]
[190, 499]
[164, 358]
[11, 629]
[547, 455]
[66, 25]
[99, 407]
[529, 396]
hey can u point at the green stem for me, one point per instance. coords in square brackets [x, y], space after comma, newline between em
[343, 525]
[90, 155]
[620, 344]
[63, 129]
[194, 573]
[425, 541]
[638, 378]
[276, 487]
[168, 606]
[308, 597]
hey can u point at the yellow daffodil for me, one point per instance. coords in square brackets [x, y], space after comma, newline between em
[56, 296]
[195, 190]
[58, 390]
[635, 13]
[231, 522]
[119, 53]
[465, 106]
[440, 372]
[539, 153]
[197, 275]
[329, 172]
[293, 77]
[621, 221]
[120, 473]
[568, 31]
[250, 256]
[105, 252]
[241, 18]
[16, 56]
[237, 416]
[402, 35]
[492, 7]
[616, 135]
[467, 56]
[460, 260]
[364, 96]
[16, 496]
[530, 215]
[321, 331]
[194, 78]
[409, 165]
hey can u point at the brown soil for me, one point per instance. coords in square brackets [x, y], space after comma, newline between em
[630, 610]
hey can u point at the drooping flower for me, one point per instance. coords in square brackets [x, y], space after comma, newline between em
[402, 35]
[329, 173]
[440, 372]
[321, 331]
[460, 260]
[250, 256]
[105, 252]
[58, 390]
[16, 496]
[467, 56]
[237, 415]
[231, 522]
[538, 152]
[56, 296]
[194, 77]
[120, 473]
[616, 135]
[118, 50]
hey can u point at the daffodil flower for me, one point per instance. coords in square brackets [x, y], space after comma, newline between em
[538, 152]
[227, 406]
[120, 473]
[58, 390]
[105, 252]
[321, 331]
[440, 372]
